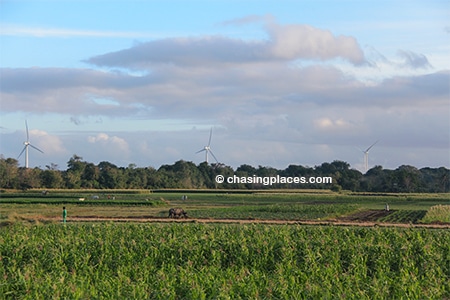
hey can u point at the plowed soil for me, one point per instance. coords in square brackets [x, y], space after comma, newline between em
[366, 216]
[337, 222]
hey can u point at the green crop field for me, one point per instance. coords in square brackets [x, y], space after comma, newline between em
[271, 205]
[207, 261]
[404, 216]
[41, 258]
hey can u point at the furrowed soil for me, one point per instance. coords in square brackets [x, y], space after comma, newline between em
[357, 219]
[366, 216]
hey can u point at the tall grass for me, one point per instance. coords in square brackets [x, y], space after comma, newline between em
[437, 213]
[199, 261]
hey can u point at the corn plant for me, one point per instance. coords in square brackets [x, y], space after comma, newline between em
[212, 261]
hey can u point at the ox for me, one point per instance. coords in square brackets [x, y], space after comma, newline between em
[177, 213]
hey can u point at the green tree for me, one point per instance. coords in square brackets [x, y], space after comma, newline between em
[379, 180]
[9, 170]
[151, 176]
[52, 179]
[74, 171]
[90, 176]
[111, 177]
[29, 178]
[136, 178]
[297, 171]
[408, 178]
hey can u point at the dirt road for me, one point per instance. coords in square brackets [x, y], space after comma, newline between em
[245, 221]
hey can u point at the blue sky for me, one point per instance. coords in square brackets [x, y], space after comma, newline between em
[297, 82]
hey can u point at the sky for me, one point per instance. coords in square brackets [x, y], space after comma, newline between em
[277, 82]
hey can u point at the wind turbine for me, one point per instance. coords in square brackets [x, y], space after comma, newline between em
[27, 143]
[207, 149]
[366, 157]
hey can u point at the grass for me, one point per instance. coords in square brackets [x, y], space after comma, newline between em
[276, 211]
[209, 204]
[438, 213]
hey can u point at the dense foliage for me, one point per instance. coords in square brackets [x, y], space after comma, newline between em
[276, 211]
[183, 174]
[194, 261]
[440, 213]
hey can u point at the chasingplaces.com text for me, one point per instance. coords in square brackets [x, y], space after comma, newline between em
[270, 180]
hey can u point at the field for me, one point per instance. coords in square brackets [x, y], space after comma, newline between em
[286, 205]
[239, 205]
[207, 261]
[151, 256]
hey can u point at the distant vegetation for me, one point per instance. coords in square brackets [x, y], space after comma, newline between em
[440, 213]
[186, 175]
[228, 204]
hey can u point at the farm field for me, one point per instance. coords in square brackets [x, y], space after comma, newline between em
[142, 205]
[216, 261]
[245, 205]
[232, 246]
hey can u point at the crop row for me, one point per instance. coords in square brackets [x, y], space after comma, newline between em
[200, 261]
[97, 202]
[222, 196]
[276, 211]
[404, 216]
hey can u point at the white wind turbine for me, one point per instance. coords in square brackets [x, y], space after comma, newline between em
[27, 143]
[366, 157]
[207, 149]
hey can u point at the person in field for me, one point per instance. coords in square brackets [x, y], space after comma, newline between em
[64, 215]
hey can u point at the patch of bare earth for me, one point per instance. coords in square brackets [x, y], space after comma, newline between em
[361, 221]
[366, 216]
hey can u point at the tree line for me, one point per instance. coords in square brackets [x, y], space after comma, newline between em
[187, 175]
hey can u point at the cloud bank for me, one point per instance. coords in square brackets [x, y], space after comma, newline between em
[286, 43]
[287, 97]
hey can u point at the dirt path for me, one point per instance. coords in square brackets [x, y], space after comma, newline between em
[243, 221]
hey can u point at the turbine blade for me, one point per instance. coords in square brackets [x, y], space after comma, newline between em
[200, 150]
[210, 136]
[37, 148]
[26, 125]
[371, 146]
[21, 152]
[213, 155]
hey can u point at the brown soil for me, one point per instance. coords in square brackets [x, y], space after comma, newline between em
[352, 221]
[366, 216]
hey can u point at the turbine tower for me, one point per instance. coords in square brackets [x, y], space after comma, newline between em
[25, 148]
[366, 157]
[207, 149]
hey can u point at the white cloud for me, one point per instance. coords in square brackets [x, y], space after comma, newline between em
[292, 98]
[328, 124]
[44, 32]
[304, 41]
[49, 144]
[112, 144]
[285, 43]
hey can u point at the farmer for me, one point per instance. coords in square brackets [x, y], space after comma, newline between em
[64, 214]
